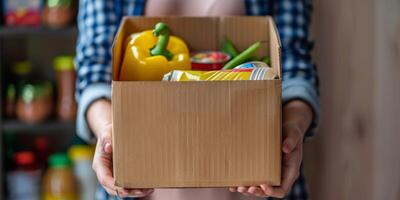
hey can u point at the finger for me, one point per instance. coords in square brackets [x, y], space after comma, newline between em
[138, 193]
[105, 177]
[243, 190]
[102, 164]
[106, 144]
[291, 170]
[107, 148]
[110, 191]
[254, 190]
[292, 136]
[233, 189]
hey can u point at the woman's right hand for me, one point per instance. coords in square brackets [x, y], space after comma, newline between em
[99, 119]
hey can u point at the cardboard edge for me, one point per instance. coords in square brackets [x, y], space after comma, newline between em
[275, 38]
[279, 182]
[114, 84]
[115, 69]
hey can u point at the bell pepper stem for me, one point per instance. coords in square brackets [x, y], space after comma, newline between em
[160, 49]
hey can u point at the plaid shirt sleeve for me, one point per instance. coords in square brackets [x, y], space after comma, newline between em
[97, 24]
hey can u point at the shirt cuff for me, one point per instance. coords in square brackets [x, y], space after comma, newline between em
[90, 94]
[301, 89]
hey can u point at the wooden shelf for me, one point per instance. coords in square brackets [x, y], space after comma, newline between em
[10, 32]
[16, 126]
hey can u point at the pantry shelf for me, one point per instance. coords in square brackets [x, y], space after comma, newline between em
[16, 126]
[9, 32]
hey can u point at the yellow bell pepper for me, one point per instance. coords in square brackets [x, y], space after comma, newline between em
[151, 54]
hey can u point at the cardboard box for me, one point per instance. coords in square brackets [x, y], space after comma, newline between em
[198, 134]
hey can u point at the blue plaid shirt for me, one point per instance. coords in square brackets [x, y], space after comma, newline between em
[98, 21]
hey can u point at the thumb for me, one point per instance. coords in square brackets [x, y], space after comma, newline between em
[292, 136]
[106, 144]
[107, 147]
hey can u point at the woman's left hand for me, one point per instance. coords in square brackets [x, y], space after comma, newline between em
[297, 117]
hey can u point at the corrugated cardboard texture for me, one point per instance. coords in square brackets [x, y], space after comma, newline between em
[198, 134]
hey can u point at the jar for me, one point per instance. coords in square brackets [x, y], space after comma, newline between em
[66, 105]
[10, 100]
[59, 181]
[82, 156]
[34, 104]
[19, 75]
[58, 13]
[24, 180]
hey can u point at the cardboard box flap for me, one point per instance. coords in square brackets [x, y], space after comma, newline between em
[206, 33]
[275, 47]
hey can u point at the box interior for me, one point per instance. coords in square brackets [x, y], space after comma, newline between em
[206, 33]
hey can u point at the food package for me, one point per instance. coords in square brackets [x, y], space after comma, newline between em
[259, 73]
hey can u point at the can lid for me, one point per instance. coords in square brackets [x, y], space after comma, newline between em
[81, 152]
[24, 158]
[59, 160]
[63, 63]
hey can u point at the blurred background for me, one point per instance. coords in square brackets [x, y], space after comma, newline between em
[39, 148]
[354, 155]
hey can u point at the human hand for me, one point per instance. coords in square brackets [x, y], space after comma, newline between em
[99, 118]
[297, 118]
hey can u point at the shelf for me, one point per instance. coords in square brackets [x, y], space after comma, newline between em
[16, 126]
[7, 32]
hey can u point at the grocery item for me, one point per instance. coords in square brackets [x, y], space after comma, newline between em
[151, 54]
[24, 181]
[22, 12]
[42, 151]
[34, 104]
[82, 156]
[21, 74]
[209, 60]
[252, 64]
[229, 48]
[59, 182]
[243, 57]
[58, 13]
[260, 73]
[10, 100]
[66, 105]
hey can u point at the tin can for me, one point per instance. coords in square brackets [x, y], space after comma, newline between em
[251, 65]
[209, 60]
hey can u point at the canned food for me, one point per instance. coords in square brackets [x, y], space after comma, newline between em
[209, 60]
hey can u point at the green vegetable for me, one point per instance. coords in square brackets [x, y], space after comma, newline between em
[243, 57]
[229, 48]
